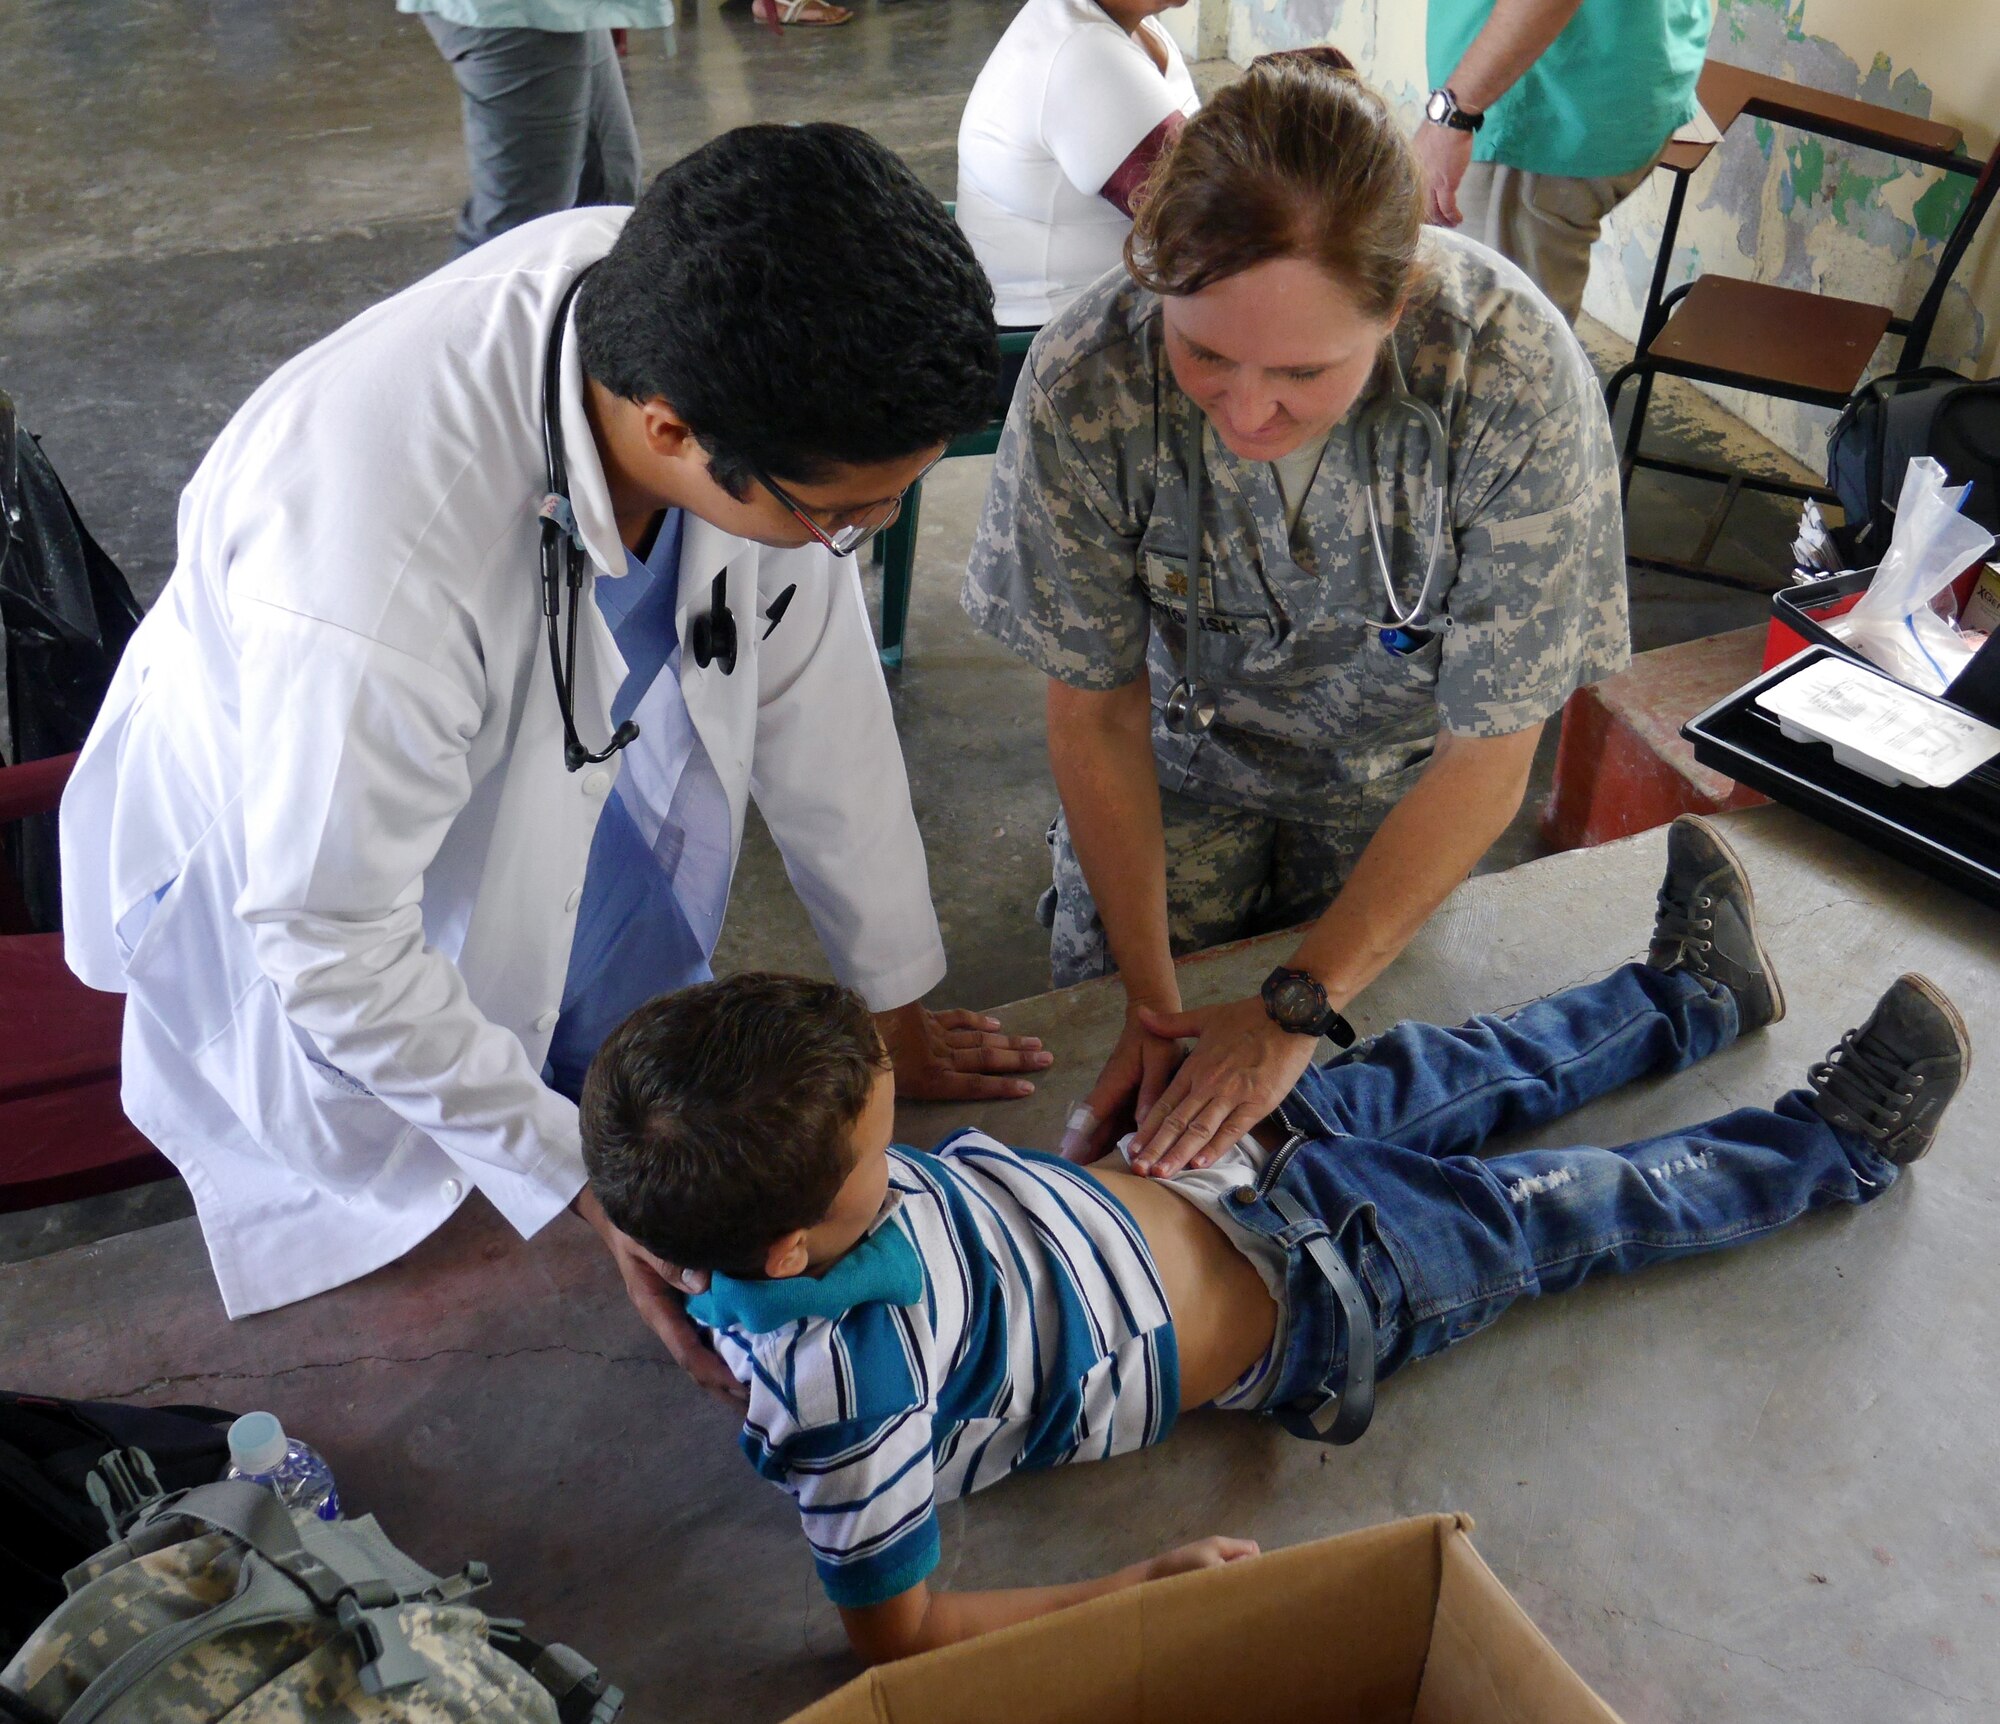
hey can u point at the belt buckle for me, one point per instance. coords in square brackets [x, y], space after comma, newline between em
[1316, 1426]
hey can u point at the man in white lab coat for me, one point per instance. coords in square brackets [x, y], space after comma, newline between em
[372, 895]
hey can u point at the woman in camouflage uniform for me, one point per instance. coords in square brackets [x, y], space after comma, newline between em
[1354, 773]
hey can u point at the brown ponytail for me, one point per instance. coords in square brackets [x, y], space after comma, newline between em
[1297, 158]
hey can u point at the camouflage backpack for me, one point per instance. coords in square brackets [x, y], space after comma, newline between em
[220, 1606]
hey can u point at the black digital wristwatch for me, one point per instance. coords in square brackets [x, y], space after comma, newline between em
[1298, 1004]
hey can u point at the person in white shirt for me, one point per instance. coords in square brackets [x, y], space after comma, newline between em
[358, 832]
[1067, 116]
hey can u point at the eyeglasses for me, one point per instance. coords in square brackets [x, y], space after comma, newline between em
[856, 526]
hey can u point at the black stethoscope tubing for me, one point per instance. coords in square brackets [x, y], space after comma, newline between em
[562, 556]
[712, 635]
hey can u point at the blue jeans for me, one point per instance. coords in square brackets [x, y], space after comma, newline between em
[1443, 1241]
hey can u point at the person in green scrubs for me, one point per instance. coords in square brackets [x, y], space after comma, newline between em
[1545, 115]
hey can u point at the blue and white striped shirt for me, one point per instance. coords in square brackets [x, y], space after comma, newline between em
[1003, 1315]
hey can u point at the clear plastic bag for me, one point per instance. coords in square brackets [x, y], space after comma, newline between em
[1895, 624]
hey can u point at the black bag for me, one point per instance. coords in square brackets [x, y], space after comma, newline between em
[67, 613]
[68, 1471]
[1929, 411]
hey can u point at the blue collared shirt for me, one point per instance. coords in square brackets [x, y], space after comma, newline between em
[657, 882]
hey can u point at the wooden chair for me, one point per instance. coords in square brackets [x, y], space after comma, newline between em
[63, 1132]
[1777, 340]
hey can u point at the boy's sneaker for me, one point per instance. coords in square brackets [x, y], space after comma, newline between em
[1890, 1081]
[1707, 923]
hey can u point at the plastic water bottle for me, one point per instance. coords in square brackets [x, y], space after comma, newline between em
[260, 1450]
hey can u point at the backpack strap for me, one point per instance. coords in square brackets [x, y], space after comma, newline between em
[281, 1581]
[263, 1595]
[578, 1688]
[252, 1513]
[350, 1578]
[343, 1579]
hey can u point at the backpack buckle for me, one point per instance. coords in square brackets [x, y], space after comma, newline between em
[120, 1485]
[388, 1661]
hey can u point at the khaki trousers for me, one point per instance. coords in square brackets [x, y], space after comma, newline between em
[1545, 223]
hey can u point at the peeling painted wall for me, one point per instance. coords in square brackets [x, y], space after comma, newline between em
[1771, 204]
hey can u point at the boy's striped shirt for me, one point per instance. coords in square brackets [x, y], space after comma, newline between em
[1004, 1315]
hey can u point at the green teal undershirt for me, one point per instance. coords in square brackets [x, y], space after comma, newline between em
[1603, 97]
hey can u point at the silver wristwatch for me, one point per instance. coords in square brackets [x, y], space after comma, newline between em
[1443, 110]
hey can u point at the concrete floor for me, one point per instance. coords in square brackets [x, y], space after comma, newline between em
[191, 195]
[1751, 1488]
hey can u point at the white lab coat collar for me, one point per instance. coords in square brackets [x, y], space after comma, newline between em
[589, 491]
[705, 548]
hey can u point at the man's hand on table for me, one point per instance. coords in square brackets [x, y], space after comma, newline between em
[958, 1056]
[658, 1292]
[1241, 1067]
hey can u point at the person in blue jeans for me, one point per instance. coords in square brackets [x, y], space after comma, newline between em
[910, 1327]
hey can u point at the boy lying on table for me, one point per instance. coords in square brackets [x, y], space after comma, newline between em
[915, 1326]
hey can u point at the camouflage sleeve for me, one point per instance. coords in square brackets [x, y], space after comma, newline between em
[1538, 608]
[1054, 573]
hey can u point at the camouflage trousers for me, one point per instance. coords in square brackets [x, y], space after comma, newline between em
[1231, 873]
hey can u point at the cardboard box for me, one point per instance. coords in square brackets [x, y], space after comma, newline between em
[1398, 1624]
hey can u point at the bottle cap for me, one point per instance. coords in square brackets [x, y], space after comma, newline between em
[256, 1443]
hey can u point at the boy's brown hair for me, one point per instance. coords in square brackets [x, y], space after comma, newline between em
[717, 1119]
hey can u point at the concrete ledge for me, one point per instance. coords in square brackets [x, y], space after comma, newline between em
[1622, 765]
[1752, 1488]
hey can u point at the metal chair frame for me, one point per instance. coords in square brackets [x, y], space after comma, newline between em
[1728, 92]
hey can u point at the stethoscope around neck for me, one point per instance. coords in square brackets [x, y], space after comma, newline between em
[1191, 704]
[562, 556]
[711, 636]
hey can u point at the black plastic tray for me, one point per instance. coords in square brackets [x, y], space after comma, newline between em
[1792, 607]
[1951, 834]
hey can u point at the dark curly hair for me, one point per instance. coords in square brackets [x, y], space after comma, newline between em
[717, 1119]
[800, 300]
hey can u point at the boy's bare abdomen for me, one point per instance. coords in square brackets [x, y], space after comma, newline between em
[1224, 1317]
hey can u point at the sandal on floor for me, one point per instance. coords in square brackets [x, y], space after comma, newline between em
[805, 14]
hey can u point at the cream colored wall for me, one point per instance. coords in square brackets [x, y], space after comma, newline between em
[1769, 204]
[1183, 23]
[1201, 27]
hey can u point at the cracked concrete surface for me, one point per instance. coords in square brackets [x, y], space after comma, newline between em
[1751, 1487]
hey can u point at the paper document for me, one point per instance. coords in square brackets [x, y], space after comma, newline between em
[1700, 129]
[1877, 726]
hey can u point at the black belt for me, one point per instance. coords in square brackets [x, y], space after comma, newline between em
[1341, 1417]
